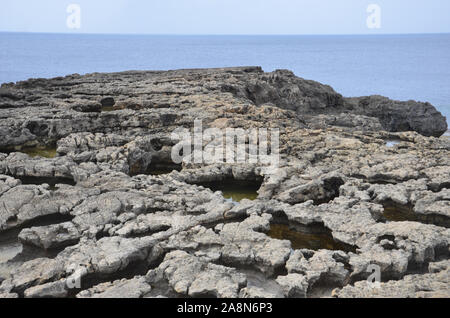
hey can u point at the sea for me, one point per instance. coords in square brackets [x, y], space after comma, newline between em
[402, 67]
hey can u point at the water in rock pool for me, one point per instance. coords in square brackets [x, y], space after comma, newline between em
[400, 213]
[109, 109]
[40, 151]
[307, 240]
[48, 151]
[235, 190]
[236, 195]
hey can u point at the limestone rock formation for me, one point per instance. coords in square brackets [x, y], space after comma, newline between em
[92, 205]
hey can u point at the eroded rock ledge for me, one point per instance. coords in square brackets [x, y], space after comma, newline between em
[88, 190]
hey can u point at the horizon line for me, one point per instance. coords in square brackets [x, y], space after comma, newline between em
[225, 34]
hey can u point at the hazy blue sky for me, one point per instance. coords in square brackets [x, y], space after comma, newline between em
[226, 16]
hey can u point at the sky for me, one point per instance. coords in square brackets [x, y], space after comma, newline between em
[226, 16]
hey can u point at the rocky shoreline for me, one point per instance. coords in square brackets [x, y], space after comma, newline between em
[92, 206]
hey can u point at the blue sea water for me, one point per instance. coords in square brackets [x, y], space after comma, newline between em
[401, 67]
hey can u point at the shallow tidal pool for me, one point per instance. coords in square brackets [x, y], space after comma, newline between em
[235, 190]
[306, 240]
[46, 152]
[36, 151]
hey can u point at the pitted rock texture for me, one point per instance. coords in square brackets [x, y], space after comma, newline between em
[431, 285]
[99, 219]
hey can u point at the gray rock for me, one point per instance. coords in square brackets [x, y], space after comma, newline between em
[56, 289]
[193, 276]
[431, 285]
[294, 285]
[81, 191]
[51, 236]
[124, 288]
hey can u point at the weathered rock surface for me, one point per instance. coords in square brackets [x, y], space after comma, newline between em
[83, 198]
[132, 288]
[431, 285]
